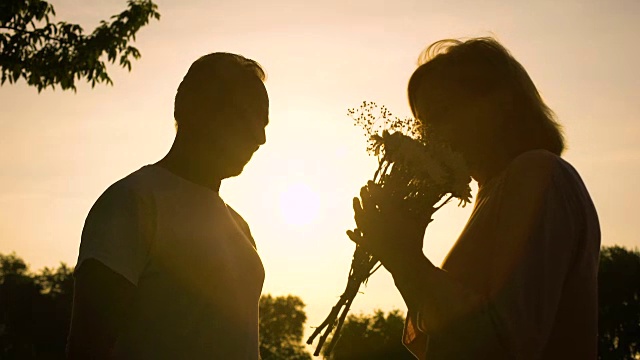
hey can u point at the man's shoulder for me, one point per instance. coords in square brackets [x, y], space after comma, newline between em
[132, 189]
[137, 183]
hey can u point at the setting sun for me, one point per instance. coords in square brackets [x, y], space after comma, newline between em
[299, 204]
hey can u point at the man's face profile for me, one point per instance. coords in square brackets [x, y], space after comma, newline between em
[234, 130]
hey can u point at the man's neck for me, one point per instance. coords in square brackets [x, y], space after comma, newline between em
[190, 169]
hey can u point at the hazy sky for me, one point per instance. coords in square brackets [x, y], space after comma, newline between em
[60, 150]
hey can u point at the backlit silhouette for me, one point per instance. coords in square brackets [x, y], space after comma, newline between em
[166, 269]
[520, 282]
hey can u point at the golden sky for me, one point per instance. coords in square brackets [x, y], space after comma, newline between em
[60, 150]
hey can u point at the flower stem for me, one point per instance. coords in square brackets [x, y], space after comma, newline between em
[360, 271]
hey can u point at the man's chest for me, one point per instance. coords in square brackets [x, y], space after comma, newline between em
[205, 250]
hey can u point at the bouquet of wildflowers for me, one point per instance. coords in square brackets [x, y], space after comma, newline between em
[413, 167]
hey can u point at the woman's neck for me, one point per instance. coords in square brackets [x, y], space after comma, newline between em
[490, 168]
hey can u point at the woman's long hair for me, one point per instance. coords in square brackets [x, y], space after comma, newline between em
[481, 66]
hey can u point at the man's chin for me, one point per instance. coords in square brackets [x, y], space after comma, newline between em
[233, 171]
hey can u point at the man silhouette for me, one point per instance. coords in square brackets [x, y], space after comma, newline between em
[166, 269]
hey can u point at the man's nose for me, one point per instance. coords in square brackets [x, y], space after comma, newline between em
[260, 136]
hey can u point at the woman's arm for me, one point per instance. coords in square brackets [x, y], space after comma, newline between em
[535, 229]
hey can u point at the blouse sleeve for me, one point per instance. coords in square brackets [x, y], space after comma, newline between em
[536, 229]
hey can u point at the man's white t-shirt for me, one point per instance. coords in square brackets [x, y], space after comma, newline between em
[192, 259]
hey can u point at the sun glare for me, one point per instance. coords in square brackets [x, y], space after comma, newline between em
[299, 204]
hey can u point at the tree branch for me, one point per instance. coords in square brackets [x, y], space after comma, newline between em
[22, 31]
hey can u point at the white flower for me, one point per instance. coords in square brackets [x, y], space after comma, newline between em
[407, 164]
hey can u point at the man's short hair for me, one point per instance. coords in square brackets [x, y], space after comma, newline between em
[210, 82]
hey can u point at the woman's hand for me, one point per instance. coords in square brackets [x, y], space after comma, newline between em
[387, 228]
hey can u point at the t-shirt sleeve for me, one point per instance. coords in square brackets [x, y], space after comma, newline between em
[117, 232]
[536, 228]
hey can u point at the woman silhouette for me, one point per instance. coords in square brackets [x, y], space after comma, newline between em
[521, 280]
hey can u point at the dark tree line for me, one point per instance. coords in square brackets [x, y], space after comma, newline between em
[376, 336]
[282, 321]
[619, 296]
[35, 308]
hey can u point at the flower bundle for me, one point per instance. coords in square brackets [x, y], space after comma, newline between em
[417, 169]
